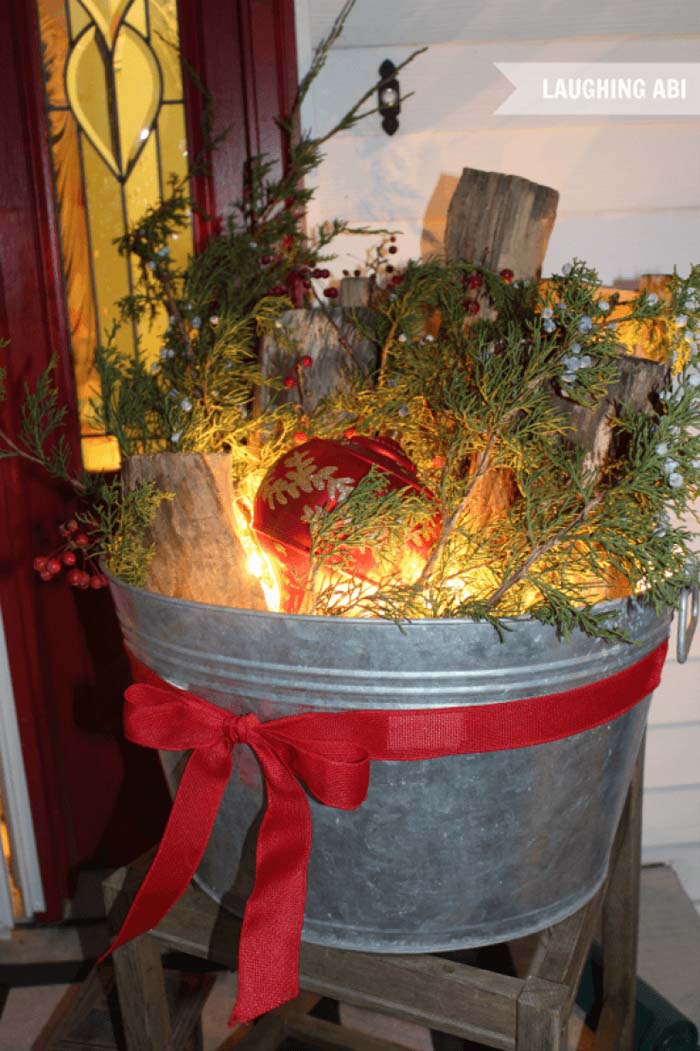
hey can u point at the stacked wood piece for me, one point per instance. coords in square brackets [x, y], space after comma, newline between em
[198, 555]
[500, 222]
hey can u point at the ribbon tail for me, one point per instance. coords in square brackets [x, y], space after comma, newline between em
[268, 955]
[184, 841]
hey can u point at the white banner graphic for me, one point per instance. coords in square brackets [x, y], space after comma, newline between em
[588, 88]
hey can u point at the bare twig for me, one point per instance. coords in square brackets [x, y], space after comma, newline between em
[384, 357]
[449, 526]
[353, 115]
[175, 312]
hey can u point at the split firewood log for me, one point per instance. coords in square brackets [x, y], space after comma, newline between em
[501, 222]
[332, 341]
[198, 553]
[637, 387]
[355, 292]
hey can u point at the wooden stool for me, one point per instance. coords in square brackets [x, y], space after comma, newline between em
[528, 1013]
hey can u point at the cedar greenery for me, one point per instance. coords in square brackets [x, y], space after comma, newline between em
[119, 522]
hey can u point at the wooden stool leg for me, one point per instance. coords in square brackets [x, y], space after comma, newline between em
[541, 1016]
[138, 973]
[621, 919]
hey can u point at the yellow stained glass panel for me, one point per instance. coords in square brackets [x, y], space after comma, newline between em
[116, 121]
[164, 41]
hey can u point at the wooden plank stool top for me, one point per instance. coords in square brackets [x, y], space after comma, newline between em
[528, 1013]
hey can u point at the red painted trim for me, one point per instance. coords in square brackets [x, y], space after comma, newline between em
[245, 53]
[74, 760]
[33, 318]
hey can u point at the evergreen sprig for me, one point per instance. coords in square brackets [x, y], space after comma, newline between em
[42, 439]
[119, 522]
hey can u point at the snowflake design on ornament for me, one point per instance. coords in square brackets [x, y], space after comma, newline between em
[304, 476]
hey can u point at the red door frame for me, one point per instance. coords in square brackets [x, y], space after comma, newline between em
[86, 784]
[245, 53]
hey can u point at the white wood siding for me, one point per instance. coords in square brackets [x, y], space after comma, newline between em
[629, 204]
[396, 22]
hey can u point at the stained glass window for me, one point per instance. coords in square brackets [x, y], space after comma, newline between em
[116, 124]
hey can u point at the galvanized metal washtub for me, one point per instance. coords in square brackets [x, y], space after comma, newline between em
[446, 853]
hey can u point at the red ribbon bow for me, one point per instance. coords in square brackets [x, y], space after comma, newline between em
[330, 753]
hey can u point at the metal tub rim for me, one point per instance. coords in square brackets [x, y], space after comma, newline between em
[609, 605]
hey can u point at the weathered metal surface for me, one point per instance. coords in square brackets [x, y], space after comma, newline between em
[446, 853]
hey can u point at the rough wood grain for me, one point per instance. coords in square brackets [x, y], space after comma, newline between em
[637, 388]
[333, 343]
[562, 950]
[500, 221]
[621, 911]
[317, 1033]
[198, 554]
[440, 994]
[143, 1002]
[90, 1021]
[355, 292]
[541, 1016]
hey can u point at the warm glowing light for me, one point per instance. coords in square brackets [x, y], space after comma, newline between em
[257, 562]
[254, 564]
[412, 565]
[467, 576]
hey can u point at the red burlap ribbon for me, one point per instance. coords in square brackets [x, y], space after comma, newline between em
[330, 754]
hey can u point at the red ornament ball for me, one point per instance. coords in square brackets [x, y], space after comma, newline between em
[475, 281]
[290, 382]
[320, 474]
[307, 361]
[507, 275]
[472, 307]
[330, 293]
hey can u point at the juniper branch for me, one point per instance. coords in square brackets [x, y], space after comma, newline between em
[542, 549]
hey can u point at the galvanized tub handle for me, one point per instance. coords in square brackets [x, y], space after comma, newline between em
[689, 602]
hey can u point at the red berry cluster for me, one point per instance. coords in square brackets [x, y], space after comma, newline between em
[473, 284]
[306, 362]
[67, 557]
[395, 279]
[297, 283]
